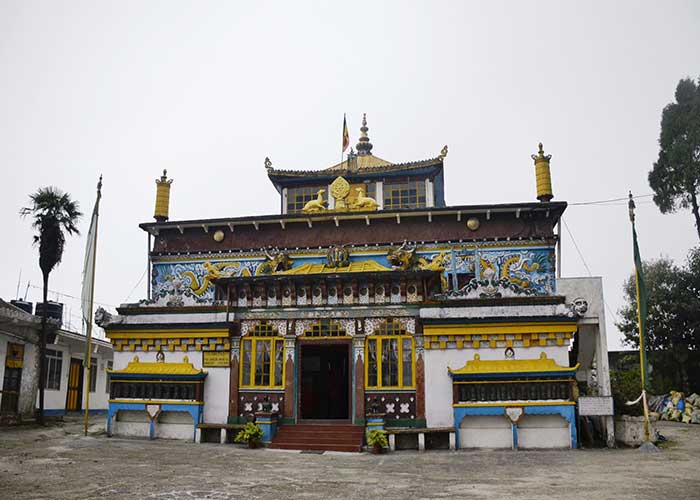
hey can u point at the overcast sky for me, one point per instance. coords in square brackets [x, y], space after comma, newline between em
[209, 89]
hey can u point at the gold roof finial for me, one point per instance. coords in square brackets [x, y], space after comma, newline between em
[364, 147]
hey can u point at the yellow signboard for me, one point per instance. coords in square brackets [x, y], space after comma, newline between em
[215, 358]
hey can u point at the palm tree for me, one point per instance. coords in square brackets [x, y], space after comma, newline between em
[53, 212]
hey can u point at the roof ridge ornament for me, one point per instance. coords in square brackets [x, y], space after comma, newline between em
[443, 152]
[364, 147]
[268, 164]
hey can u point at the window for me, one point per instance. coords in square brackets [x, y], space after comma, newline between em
[390, 358]
[262, 358]
[409, 194]
[325, 328]
[300, 196]
[93, 374]
[54, 363]
[110, 366]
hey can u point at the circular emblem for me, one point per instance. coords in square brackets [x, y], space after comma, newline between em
[473, 224]
[219, 236]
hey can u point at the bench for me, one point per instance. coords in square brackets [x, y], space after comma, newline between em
[216, 433]
[434, 435]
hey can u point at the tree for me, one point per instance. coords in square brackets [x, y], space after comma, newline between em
[53, 212]
[675, 178]
[673, 319]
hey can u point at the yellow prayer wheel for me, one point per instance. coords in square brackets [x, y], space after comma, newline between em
[543, 176]
[162, 197]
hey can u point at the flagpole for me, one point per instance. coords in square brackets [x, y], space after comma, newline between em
[88, 340]
[642, 347]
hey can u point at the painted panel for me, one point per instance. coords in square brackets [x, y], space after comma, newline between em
[515, 269]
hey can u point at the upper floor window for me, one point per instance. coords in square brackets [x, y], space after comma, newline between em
[409, 194]
[299, 196]
[262, 355]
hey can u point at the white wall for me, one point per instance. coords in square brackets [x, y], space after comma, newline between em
[56, 399]
[438, 384]
[482, 431]
[543, 431]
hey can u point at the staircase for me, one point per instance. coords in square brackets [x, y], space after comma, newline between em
[319, 437]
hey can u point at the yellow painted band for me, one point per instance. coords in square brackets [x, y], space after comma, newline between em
[155, 402]
[167, 334]
[498, 328]
[513, 381]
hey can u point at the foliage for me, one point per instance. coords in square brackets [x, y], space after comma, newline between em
[377, 437]
[626, 386]
[675, 177]
[673, 322]
[673, 302]
[251, 434]
[53, 212]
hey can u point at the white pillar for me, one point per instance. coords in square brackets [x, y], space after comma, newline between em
[421, 441]
[284, 200]
[392, 442]
[429, 195]
[453, 443]
[379, 193]
[222, 439]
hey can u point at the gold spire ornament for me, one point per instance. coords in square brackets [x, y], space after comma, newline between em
[543, 176]
[162, 197]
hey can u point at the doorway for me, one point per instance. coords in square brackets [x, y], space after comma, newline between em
[74, 398]
[324, 382]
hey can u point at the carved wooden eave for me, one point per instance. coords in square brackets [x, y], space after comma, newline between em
[551, 209]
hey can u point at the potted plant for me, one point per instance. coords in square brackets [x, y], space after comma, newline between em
[251, 434]
[377, 440]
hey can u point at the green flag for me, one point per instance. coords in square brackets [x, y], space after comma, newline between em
[641, 301]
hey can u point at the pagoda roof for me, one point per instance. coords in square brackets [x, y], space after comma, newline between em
[138, 368]
[360, 165]
[498, 368]
[365, 266]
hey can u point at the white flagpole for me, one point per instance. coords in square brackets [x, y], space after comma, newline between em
[91, 247]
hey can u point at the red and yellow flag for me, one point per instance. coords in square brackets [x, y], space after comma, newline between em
[346, 136]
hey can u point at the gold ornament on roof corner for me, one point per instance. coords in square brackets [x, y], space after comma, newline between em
[219, 236]
[443, 152]
[473, 224]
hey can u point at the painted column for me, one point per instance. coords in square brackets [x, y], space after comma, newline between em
[288, 414]
[420, 378]
[233, 385]
[358, 344]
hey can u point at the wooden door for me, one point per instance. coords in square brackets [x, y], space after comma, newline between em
[14, 361]
[74, 398]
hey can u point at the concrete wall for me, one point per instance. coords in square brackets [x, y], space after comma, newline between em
[438, 384]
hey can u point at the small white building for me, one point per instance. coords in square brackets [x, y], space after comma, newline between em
[19, 355]
[66, 375]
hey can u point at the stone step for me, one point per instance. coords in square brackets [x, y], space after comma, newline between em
[355, 448]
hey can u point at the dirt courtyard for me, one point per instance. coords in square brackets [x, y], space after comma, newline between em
[58, 462]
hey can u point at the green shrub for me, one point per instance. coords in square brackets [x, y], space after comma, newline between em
[251, 434]
[377, 437]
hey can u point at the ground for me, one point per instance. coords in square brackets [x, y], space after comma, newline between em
[59, 462]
